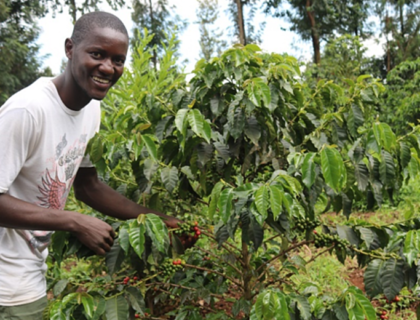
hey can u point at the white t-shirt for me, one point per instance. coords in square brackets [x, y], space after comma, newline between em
[42, 145]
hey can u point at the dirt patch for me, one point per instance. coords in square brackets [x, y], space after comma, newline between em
[355, 277]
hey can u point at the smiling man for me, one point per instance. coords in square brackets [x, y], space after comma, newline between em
[44, 131]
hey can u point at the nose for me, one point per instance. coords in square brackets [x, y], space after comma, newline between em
[107, 67]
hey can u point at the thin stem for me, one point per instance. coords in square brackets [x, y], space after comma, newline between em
[215, 272]
[218, 257]
[182, 287]
[281, 254]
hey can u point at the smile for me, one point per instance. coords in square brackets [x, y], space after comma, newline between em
[101, 80]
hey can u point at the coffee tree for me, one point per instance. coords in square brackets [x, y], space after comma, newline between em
[248, 156]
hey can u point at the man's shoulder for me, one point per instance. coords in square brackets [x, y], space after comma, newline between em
[32, 96]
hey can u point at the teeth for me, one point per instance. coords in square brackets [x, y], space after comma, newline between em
[101, 80]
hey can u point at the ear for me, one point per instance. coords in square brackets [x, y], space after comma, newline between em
[69, 46]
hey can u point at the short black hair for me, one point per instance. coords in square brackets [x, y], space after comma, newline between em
[89, 21]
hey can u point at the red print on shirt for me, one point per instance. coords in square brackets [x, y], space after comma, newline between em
[54, 192]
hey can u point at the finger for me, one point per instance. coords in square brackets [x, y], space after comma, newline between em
[109, 240]
[106, 247]
[99, 251]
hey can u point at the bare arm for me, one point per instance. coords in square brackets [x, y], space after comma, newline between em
[96, 194]
[18, 214]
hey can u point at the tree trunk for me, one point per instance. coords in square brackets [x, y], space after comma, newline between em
[241, 24]
[73, 10]
[154, 58]
[247, 274]
[314, 33]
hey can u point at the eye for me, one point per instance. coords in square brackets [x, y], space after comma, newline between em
[96, 55]
[119, 61]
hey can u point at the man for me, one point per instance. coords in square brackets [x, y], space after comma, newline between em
[44, 130]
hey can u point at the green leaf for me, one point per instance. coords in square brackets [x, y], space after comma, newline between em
[276, 200]
[60, 286]
[361, 174]
[355, 120]
[214, 198]
[136, 299]
[136, 236]
[392, 278]
[333, 168]
[169, 176]
[358, 306]
[303, 306]
[270, 305]
[236, 121]
[124, 238]
[150, 146]
[114, 258]
[369, 237]
[158, 232]
[308, 170]
[384, 135]
[199, 125]
[345, 232]
[411, 246]
[387, 169]
[405, 155]
[252, 231]
[258, 90]
[180, 122]
[88, 304]
[225, 204]
[97, 149]
[116, 308]
[372, 277]
[253, 130]
[262, 200]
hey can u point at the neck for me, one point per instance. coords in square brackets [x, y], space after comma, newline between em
[64, 90]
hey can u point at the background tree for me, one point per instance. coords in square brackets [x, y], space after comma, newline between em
[156, 17]
[242, 13]
[400, 26]
[210, 37]
[19, 54]
[343, 58]
[77, 8]
[317, 20]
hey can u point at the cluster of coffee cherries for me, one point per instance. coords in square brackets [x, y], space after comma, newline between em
[138, 316]
[327, 240]
[171, 266]
[303, 224]
[128, 280]
[187, 228]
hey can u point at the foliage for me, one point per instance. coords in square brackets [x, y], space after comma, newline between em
[76, 10]
[18, 49]
[342, 58]
[319, 20]
[255, 156]
[242, 14]
[156, 17]
[401, 106]
[400, 25]
[210, 36]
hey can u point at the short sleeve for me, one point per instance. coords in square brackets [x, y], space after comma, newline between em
[17, 137]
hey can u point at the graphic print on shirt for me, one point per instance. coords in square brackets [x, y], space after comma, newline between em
[55, 189]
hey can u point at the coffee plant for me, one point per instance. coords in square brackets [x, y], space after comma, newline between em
[249, 157]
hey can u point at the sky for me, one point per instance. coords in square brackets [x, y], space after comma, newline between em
[54, 31]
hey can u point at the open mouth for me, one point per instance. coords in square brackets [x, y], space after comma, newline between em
[101, 80]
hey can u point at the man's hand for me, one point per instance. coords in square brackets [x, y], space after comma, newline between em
[95, 234]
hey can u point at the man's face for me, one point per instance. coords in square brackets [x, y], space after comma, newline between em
[97, 62]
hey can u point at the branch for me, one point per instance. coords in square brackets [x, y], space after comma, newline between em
[281, 254]
[218, 257]
[186, 265]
